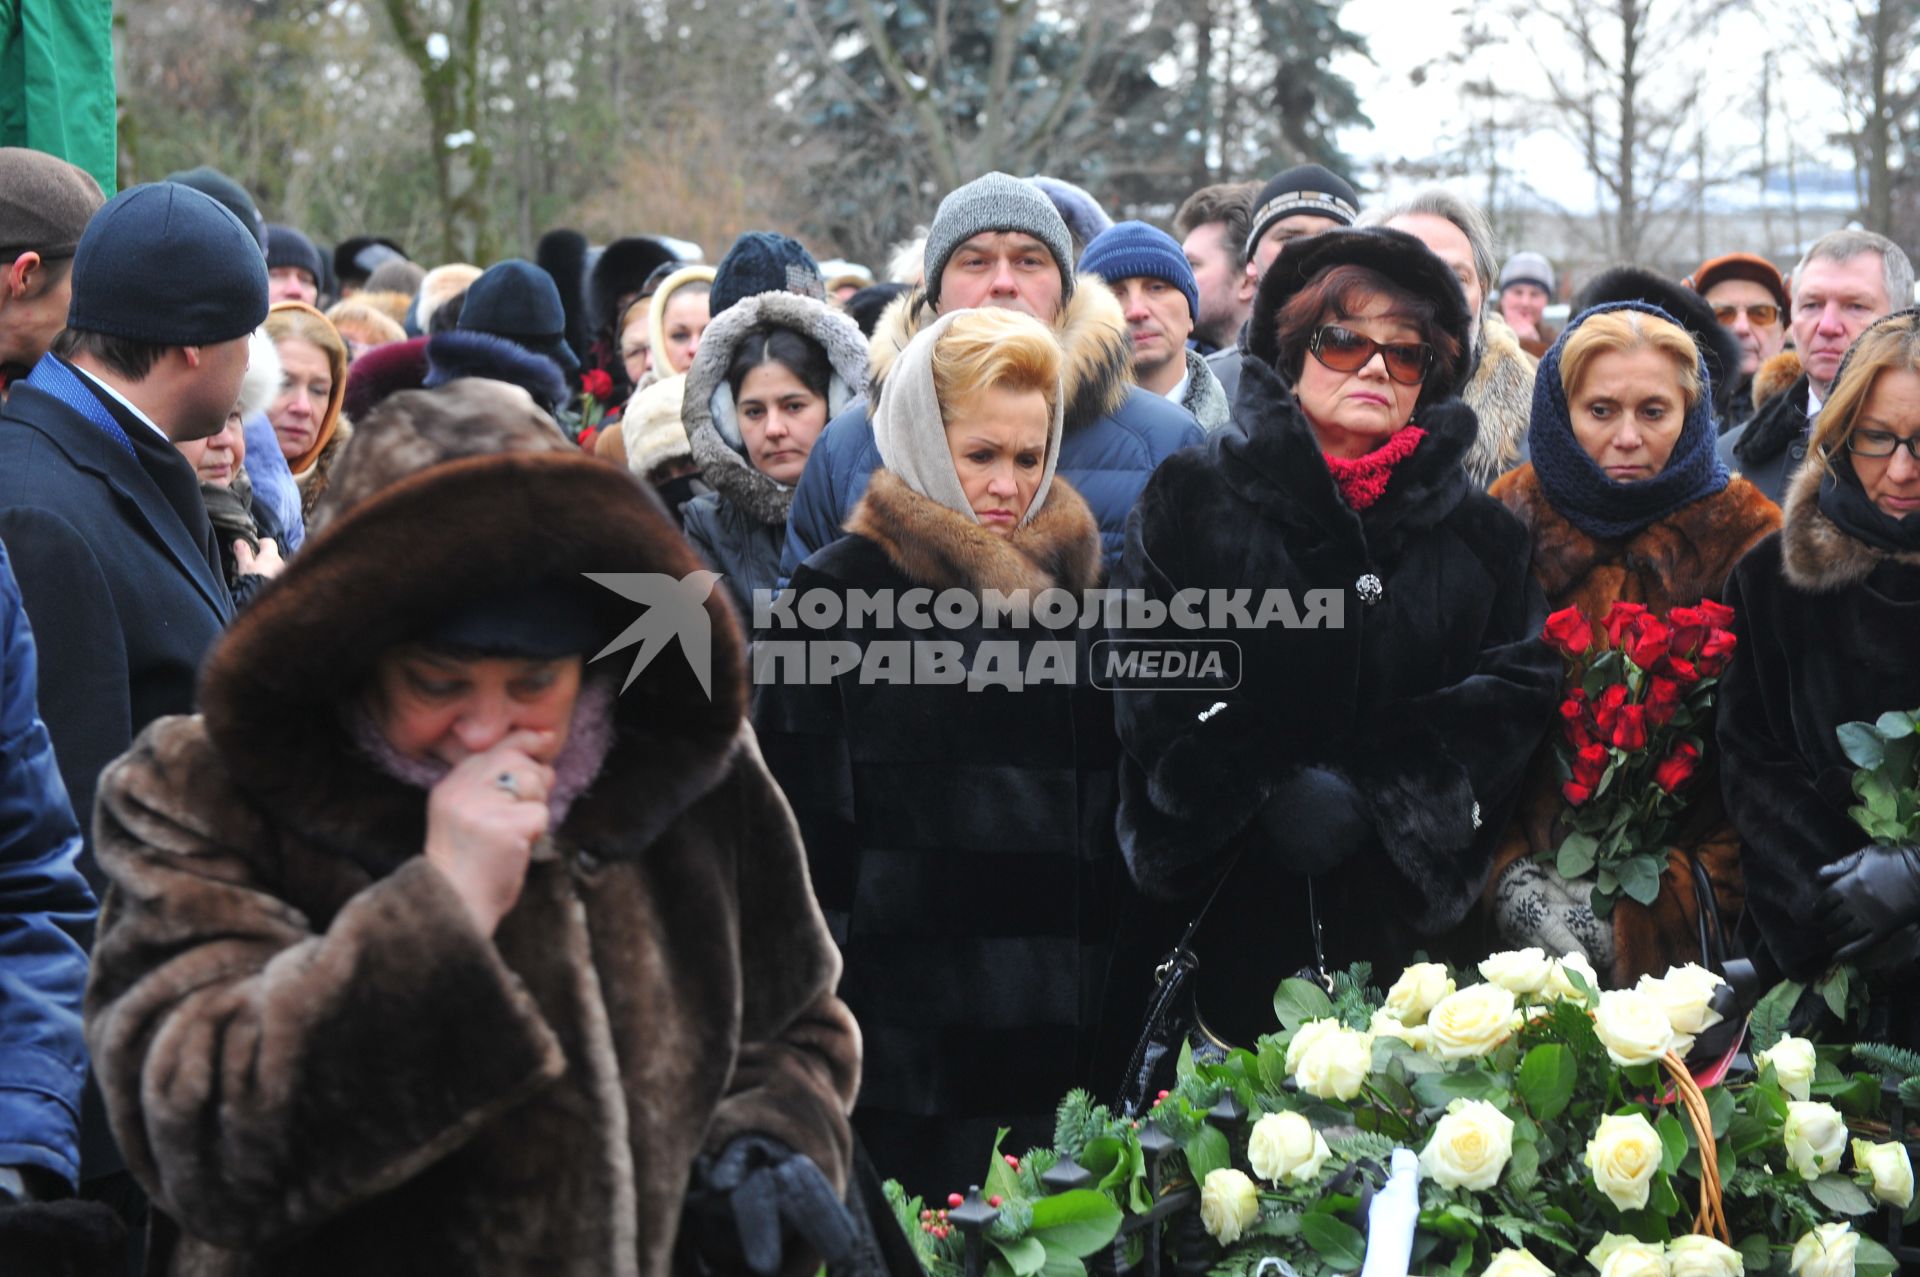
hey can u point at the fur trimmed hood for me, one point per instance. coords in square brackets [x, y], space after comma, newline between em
[1092, 330]
[1206, 398]
[483, 494]
[1817, 555]
[941, 548]
[1500, 392]
[707, 409]
[463, 352]
[1776, 376]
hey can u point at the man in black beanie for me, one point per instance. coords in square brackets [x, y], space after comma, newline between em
[294, 266]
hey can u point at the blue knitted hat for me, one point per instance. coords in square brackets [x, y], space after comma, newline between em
[1130, 250]
[1575, 484]
[517, 300]
[764, 262]
[165, 265]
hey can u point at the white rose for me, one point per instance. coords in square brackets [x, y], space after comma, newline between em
[1516, 1263]
[1794, 1064]
[1472, 1022]
[1284, 1146]
[1692, 1256]
[1417, 1036]
[1229, 1203]
[1827, 1251]
[1623, 1155]
[1305, 1036]
[1815, 1136]
[1418, 989]
[1891, 1168]
[1470, 1146]
[1518, 971]
[1559, 988]
[1335, 1065]
[1618, 1256]
[1686, 994]
[1632, 1026]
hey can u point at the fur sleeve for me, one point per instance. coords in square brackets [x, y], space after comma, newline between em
[261, 1076]
[799, 1060]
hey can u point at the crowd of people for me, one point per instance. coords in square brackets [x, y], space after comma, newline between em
[355, 916]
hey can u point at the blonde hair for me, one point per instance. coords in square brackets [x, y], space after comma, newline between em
[1625, 331]
[991, 347]
[393, 305]
[1890, 345]
[441, 285]
[354, 318]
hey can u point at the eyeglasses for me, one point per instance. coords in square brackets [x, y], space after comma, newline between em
[1765, 315]
[1344, 350]
[1881, 443]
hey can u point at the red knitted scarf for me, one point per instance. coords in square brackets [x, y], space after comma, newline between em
[1363, 480]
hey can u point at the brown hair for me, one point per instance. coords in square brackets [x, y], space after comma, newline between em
[1228, 202]
[1343, 291]
[1629, 330]
[1890, 345]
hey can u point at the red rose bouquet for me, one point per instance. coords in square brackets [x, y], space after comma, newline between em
[1633, 733]
[596, 392]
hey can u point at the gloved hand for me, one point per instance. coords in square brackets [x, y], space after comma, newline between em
[1316, 820]
[1866, 897]
[746, 1205]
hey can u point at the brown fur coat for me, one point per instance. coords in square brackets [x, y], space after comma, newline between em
[1673, 563]
[311, 1058]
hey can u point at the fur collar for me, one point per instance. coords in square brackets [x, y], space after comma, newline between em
[465, 352]
[1691, 551]
[1776, 376]
[940, 548]
[1816, 554]
[731, 474]
[1776, 425]
[1092, 330]
[1206, 398]
[1500, 392]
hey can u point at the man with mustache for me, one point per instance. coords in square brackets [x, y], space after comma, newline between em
[45, 203]
[1160, 298]
[1847, 280]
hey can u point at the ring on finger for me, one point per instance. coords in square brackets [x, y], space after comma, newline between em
[506, 781]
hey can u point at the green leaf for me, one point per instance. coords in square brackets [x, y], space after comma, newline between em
[1061, 1264]
[1834, 989]
[1862, 744]
[1546, 1080]
[1339, 1243]
[1640, 878]
[1298, 1001]
[1576, 856]
[1673, 1142]
[1756, 1253]
[1207, 1152]
[1437, 1090]
[1523, 1169]
[1770, 1016]
[1662, 1198]
[1077, 1222]
[1874, 1260]
[1839, 1194]
[1000, 1177]
[1025, 1257]
[1895, 724]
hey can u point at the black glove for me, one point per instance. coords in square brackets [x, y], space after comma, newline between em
[1317, 821]
[746, 1205]
[1866, 897]
[82, 1238]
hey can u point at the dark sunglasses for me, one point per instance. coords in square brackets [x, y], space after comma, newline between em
[1344, 350]
[1761, 316]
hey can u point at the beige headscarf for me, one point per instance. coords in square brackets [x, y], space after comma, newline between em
[910, 429]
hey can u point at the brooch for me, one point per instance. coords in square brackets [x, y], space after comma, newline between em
[1370, 589]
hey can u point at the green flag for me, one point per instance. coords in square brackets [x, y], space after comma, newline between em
[56, 82]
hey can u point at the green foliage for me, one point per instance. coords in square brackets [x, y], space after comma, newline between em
[1772, 1014]
[1078, 1122]
[1887, 755]
[1892, 1063]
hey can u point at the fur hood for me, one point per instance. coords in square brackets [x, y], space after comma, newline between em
[1206, 398]
[428, 472]
[1500, 392]
[1720, 348]
[1776, 376]
[1092, 329]
[1816, 553]
[464, 352]
[707, 409]
[382, 371]
[941, 548]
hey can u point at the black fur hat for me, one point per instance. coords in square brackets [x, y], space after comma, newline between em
[1395, 254]
[1720, 348]
[563, 254]
[622, 267]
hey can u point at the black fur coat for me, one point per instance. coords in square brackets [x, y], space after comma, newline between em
[1378, 758]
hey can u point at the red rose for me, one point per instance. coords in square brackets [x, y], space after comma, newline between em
[1677, 768]
[1630, 732]
[1717, 651]
[1576, 793]
[597, 382]
[1619, 617]
[588, 438]
[1569, 631]
[1689, 626]
[1589, 764]
[1685, 673]
[1606, 712]
[1717, 615]
[1663, 700]
[1573, 719]
[1647, 641]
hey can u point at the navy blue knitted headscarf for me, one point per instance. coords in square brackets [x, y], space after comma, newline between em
[1575, 484]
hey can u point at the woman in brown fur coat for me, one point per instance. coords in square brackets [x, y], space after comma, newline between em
[1626, 503]
[428, 949]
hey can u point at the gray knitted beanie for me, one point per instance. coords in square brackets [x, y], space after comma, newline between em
[996, 202]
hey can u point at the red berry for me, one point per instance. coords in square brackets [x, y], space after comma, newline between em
[1163, 1095]
[954, 1199]
[1013, 1161]
[941, 1233]
[994, 1201]
[926, 1214]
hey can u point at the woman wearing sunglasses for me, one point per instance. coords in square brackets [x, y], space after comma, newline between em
[1347, 774]
[1626, 502]
[1827, 614]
